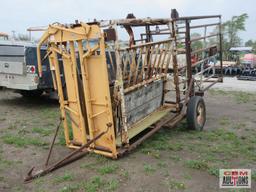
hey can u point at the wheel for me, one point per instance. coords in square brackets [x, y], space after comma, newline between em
[35, 93]
[196, 113]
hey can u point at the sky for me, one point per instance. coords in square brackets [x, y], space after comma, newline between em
[18, 15]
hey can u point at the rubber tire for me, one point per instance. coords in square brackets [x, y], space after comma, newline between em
[36, 93]
[192, 113]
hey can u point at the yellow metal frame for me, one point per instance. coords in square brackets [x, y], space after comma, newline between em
[66, 43]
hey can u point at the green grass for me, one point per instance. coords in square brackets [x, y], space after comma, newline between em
[21, 141]
[197, 164]
[89, 165]
[238, 96]
[254, 175]
[94, 184]
[66, 177]
[70, 188]
[160, 142]
[107, 169]
[148, 168]
[42, 131]
[4, 163]
[50, 113]
[175, 185]
[224, 121]
[214, 149]
[111, 185]
[162, 164]
[174, 157]
[213, 171]
[125, 174]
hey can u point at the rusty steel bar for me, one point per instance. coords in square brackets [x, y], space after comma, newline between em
[132, 66]
[135, 77]
[203, 60]
[52, 143]
[200, 26]
[188, 51]
[159, 59]
[198, 17]
[58, 164]
[209, 86]
[206, 37]
[149, 62]
[165, 53]
[146, 44]
[175, 66]
[150, 21]
[156, 33]
[155, 59]
[203, 49]
[220, 51]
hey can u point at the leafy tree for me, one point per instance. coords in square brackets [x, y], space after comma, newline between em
[251, 43]
[231, 29]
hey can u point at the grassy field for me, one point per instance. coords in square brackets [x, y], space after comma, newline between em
[171, 160]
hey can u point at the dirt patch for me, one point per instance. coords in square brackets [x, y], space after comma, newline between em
[172, 160]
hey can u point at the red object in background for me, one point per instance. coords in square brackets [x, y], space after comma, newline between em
[32, 69]
[249, 57]
[193, 59]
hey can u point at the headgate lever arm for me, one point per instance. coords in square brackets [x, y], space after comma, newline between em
[69, 158]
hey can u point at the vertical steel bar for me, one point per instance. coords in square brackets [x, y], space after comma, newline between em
[132, 65]
[75, 79]
[220, 51]
[61, 95]
[120, 86]
[135, 77]
[203, 55]
[85, 80]
[155, 59]
[166, 48]
[149, 60]
[175, 64]
[111, 61]
[144, 63]
[188, 54]
[160, 58]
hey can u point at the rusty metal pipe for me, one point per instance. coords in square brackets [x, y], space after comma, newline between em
[60, 163]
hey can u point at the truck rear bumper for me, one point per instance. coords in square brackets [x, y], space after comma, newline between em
[19, 82]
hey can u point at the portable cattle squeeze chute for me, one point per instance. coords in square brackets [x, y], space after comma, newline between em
[115, 93]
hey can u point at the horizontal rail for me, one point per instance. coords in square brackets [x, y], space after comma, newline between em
[204, 49]
[146, 44]
[200, 26]
[206, 69]
[198, 17]
[205, 37]
[157, 33]
[129, 89]
[203, 60]
[151, 21]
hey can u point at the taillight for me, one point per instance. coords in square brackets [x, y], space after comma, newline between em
[31, 69]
